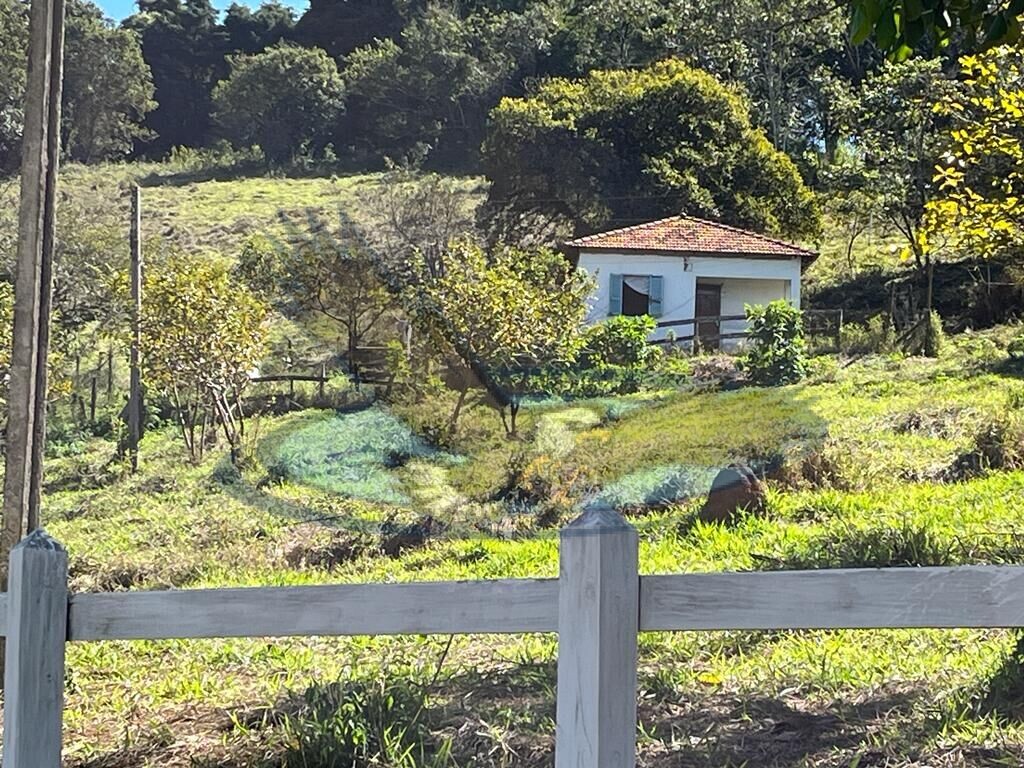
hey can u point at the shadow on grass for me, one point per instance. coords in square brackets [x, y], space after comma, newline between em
[504, 718]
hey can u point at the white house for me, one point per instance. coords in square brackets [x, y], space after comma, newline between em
[682, 268]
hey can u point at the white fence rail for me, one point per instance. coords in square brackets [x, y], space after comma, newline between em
[597, 606]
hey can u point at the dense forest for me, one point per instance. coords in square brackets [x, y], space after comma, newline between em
[580, 114]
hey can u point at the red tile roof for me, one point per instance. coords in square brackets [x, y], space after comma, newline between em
[686, 234]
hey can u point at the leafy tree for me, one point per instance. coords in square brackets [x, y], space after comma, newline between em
[629, 146]
[777, 345]
[13, 50]
[433, 86]
[342, 27]
[899, 27]
[979, 209]
[184, 46]
[251, 31]
[108, 88]
[283, 99]
[775, 50]
[326, 275]
[900, 132]
[202, 335]
[504, 315]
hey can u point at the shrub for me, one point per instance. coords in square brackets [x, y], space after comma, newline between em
[352, 725]
[777, 355]
[876, 336]
[620, 340]
[935, 338]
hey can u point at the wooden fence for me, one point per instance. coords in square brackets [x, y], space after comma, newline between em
[597, 605]
[818, 324]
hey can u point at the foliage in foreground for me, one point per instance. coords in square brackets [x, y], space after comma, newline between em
[203, 334]
[777, 353]
[979, 211]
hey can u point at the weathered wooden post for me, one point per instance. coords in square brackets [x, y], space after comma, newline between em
[598, 621]
[37, 612]
[135, 374]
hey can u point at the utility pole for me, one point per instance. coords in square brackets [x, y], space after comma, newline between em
[135, 390]
[33, 288]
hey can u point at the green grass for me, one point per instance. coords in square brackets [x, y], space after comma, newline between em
[884, 428]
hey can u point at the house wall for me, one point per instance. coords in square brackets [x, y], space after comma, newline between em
[743, 280]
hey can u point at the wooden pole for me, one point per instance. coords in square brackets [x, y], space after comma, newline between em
[598, 621]
[26, 422]
[135, 391]
[92, 400]
[37, 613]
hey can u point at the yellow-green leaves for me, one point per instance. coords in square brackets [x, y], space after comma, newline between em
[981, 181]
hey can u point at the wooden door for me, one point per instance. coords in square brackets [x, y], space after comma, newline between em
[709, 304]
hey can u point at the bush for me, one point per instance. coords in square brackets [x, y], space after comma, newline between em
[777, 355]
[620, 340]
[352, 725]
[876, 336]
[935, 338]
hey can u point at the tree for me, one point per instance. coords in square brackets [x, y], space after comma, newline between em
[13, 49]
[412, 218]
[979, 209]
[327, 275]
[108, 88]
[627, 146]
[184, 47]
[430, 90]
[775, 50]
[900, 132]
[284, 99]
[900, 27]
[253, 31]
[504, 315]
[202, 333]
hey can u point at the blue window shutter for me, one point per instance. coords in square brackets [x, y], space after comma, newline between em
[654, 298]
[615, 295]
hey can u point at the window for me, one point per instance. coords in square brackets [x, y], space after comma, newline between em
[635, 295]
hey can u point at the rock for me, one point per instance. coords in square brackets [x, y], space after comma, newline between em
[734, 489]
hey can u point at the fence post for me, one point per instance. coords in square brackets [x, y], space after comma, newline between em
[598, 621]
[37, 612]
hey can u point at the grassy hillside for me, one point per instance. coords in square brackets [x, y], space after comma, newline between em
[887, 462]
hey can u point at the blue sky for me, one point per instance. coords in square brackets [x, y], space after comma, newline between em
[118, 9]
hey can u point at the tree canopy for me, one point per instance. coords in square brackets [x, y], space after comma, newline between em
[624, 146]
[280, 99]
[979, 208]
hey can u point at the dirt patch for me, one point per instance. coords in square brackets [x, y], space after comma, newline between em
[86, 575]
[311, 545]
[396, 538]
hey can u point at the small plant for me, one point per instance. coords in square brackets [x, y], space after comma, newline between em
[777, 355]
[353, 725]
[935, 336]
[875, 337]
